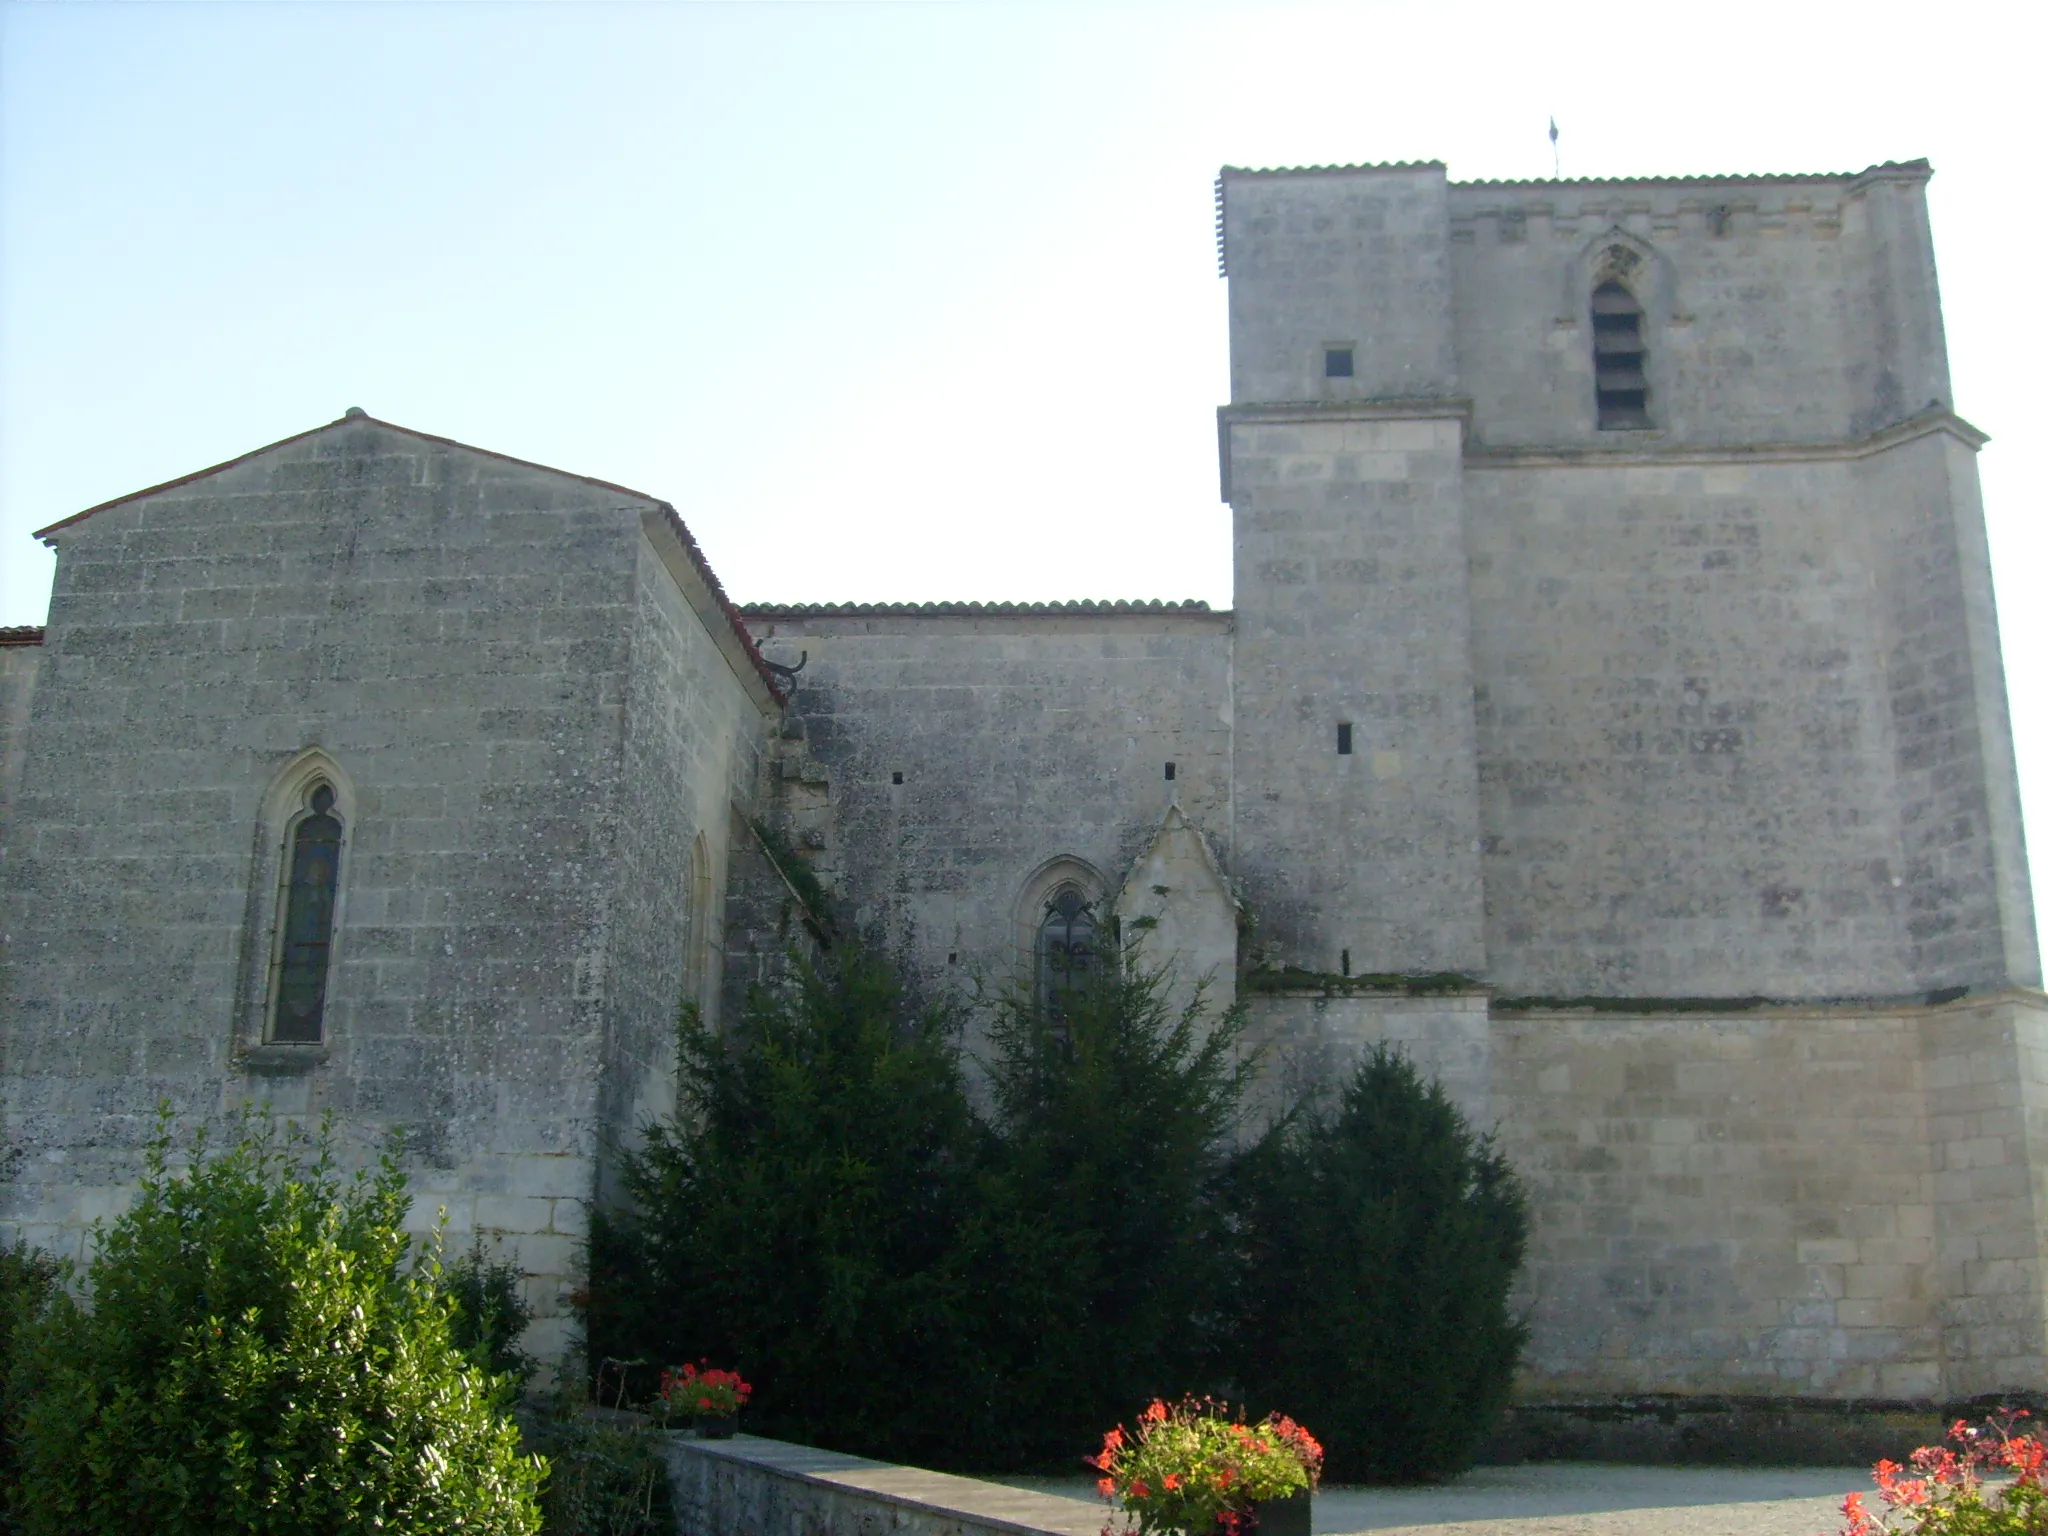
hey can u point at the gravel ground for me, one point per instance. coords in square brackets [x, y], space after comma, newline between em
[1580, 1499]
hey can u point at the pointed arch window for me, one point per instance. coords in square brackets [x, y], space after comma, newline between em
[312, 876]
[697, 966]
[1621, 384]
[1069, 947]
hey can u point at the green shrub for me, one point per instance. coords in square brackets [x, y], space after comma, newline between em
[1102, 1250]
[259, 1357]
[1379, 1242]
[606, 1475]
[797, 1218]
[491, 1312]
[28, 1278]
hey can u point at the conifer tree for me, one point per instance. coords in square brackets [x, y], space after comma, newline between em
[798, 1218]
[1380, 1238]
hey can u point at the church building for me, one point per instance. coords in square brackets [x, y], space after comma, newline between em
[1610, 713]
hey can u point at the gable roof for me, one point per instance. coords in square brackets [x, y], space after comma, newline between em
[357, 417]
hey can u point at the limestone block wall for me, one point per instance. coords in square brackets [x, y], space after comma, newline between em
[21, 657]
[1316, 1036]
[694, 730]
[1984, 1066]
[1354, 258]
[1967, 916]
[455, 632]
[1778, 309]
[1779, 1202]
[750, 1486]
[1357, 807]
[1687, 763]
[1020, 739]
[1742, 724]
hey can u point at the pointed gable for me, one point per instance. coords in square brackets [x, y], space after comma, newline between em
[1176, 908]
[356, 435]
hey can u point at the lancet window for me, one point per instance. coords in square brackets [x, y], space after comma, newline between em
[1068, 950]
[1621, 387]
[306, 926]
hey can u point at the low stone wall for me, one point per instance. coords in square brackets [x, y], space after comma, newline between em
[747, 1486]
[1709, 1431]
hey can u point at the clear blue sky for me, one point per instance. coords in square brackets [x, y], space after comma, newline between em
[892, 301]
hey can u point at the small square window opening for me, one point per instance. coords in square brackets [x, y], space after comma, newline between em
[896, 778]
[1169, 771]
[1337, 363]
[1344, 739]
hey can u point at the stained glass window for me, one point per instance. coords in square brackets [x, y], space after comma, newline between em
[315, 865]
[1067, 946]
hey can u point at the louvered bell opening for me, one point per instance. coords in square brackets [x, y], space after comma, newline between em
[1621, 387]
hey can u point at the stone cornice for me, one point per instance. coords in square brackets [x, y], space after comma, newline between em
[1649, 451]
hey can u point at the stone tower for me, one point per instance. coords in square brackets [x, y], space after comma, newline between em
[1357, 828]
[1628, 527]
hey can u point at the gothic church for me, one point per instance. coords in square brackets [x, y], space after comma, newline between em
[1611, 712]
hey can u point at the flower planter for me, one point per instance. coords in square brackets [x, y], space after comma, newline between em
[1283, 1517]
[1197, 1467]
[721, 1427]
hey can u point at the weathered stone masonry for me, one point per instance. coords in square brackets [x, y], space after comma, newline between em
[1652, 783]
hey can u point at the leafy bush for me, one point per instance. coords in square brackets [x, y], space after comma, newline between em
[1943, 1492]
[28, 1278]
[258, 1357]
[798, 1216]
[606, 1473]
[1379, 1244]
[491, 1312]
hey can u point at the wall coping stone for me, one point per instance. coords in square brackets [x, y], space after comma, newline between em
[962, 1504]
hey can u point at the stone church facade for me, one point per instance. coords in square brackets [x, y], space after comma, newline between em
[1611, 712]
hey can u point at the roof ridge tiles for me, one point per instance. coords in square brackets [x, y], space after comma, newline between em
[1919, 166]
[21, 634]
[1332, 170]
[952, 609]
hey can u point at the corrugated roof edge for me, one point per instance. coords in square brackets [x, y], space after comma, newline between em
[674, 519]
[21, 634]
[1913, 167]
[984, 610]
[1331, 170]
[1918, 167]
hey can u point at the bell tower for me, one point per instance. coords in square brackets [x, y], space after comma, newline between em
[1356, 806]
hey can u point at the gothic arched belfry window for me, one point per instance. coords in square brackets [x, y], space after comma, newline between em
[312, 871]
[1067, 946]
[1621, 384]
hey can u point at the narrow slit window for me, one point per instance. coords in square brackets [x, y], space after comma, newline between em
[1345, 961]
[1169, 772]
[313, 871]
[1337, 363]
[1344, 739]
[1621, 386]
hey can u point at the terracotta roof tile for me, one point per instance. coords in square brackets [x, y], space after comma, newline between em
[1917, 167]
[956, 610]
[21, 634]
